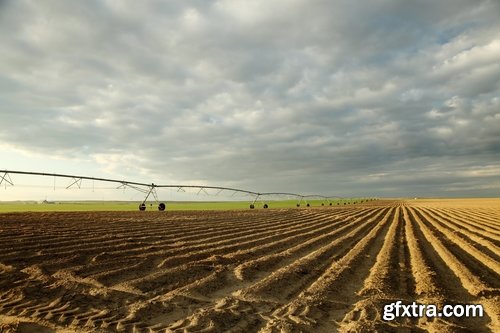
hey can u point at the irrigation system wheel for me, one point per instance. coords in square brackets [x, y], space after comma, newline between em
[252, 206]
[161, 206]
[142, 206]
[265, 206]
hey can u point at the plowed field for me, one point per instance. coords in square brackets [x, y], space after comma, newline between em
[325, 269]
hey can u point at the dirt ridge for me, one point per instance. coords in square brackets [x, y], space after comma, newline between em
[317, 269]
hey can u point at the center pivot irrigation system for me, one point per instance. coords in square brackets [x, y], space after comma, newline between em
[150, 189]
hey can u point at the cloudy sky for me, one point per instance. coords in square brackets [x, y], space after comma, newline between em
[382, 97]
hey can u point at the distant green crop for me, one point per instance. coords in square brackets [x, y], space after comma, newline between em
[30, 206]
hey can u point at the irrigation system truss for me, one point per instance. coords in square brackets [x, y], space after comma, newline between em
[150, 189]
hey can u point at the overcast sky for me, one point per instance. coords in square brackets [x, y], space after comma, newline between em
[382, 97]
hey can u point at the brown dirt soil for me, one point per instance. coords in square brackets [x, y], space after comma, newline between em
[325, 269]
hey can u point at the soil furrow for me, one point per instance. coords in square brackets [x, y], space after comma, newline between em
[482, 246]
[470, 222]
[290, 254]
[315, 269]
[477, 263]
[327, 300]
[456, 282]
[291, 279]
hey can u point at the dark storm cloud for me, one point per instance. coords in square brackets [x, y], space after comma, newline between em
[382, 98]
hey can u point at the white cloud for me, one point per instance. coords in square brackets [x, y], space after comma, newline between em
[301, 96]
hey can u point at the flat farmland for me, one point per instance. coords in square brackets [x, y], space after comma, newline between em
[318, 269]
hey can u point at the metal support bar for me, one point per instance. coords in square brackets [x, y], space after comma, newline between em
[151, 190]
[4, 178]
[143, 190]
[77, 181]
[256, 197]
[202, 189]
[155, 195]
